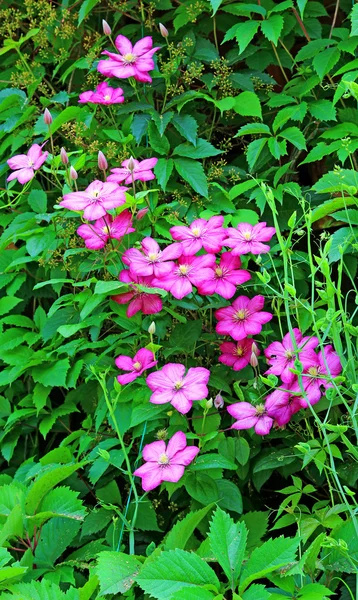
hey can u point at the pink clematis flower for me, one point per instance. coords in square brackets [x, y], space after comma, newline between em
[103, 94]
[139, 171]
[281, 405]
[152, 260]
[141, 361]
[97, 235]
[165, 463]
[170, 384]
[248, 238]
[97, 198]
[209, 235]
[224, 277]
[244, 317]
[237, 355]
[148, 304]
[248, 416]
[281, 355]
[315, 373]
[25, 165]
[132, 61]
[188, 271]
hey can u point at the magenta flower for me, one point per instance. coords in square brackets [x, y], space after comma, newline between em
[141, 171]
[97, 198]
[244, 317]
[248, 416]
[165, 463]
[144, 359]
[188, 271]
[139, 300]
[237, 355]
[316, 369]
[170, 384]
[281, 355]
[209, 235]
[103, 94]
[97, 235]
[224, 277]
[132, 61]
[151, 260]
[248, 238]
[25, 165]
[281, 405]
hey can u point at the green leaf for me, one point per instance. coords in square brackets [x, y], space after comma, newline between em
[354, 20]
[341, 241]
[36, 590]
[248, 104]
[56, 535]
[215, 5]
[295, 113]
[302, 5]
[347, 216]
[38, 201]
[202, 149]
[235, 449]
[163, 170]
[257, 592]
[322, 110]
[241, 188]
[325, 61]
[194, 593]
[272, 27]
[13, 525]
[116, 572]
[185, 336]
[230, 496]
[162, 121]
[212, 461]
[68, 114]
[257, 524]
[294, 136]
[253, 129]
[311, 49]
[86, 7]
[254, 150]
[108, 287]
[187, 126]
[228, 543]
[47, 482]
[8, 303]
[243, 32]
[50, 374]
[272, 555]
[174, 570]
[193, 173]
[202, 488]
[159, 143]
[180, 534]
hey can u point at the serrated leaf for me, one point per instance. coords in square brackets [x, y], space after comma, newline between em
[325, 61]
[354, 20]
[294, 136]
[47, 482]
[163, 170]
[254, 150]
[162, 121]
[228, 543]
[253, 129]
[215, 5]
[96, 521]
[56, 535]
[311, 49]
[272, 27]
[184, 529]
[202, 149]
[257, 592]
[248, 104]
[64, 502]
[187, 126]
[243, 32]
[38, 201]
[296, 113]
[174, 570]
[50, 374]
[193, 173]
[323, 110]
[108, 287]
[341, 241]
[159, 143]
[302, 5]
[202, 488]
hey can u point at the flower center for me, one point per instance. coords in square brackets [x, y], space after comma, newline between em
[260, 410]
[313, 371]
[219, 272]
[183, 269]
[239, 351]
[289, 354]
[178, 385]
[137, 366]
[105, 230]
[196, 231]
[153, 256]
[31, 163]
[241, 315]
[129, 58]
[163, 459]
[247, 235]
[107, 97]
[95, 194]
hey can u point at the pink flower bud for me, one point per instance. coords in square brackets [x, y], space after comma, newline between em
[64, 157]
[47, 117]
[255, 349]
[253, 360]
[131, 164]
[106, 28]
[102, 161]
[218, 401]
[141, 213]
[73, 174]
[163, 30]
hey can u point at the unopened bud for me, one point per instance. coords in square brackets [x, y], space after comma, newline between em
[161, 434]
[73, 173]
[131, 164]
[102, 161]
[163, 30]
[253, 360]
[209, 404]
[106, 28]
[255, 349]
[64, 157]
[218, 401]
[141, 213]
[152, 328]
[47, 117]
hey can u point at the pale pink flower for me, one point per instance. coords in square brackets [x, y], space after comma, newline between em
[103, 94]
[139, 171]
[25, 165]
[224, 278]
[170, 384]
[242, 318]
[188, 271]
[315, 373]
[248, 416]
[281, 355]
[97, 198]
[165, 463]
[237, 355]
[151, 260]
[138, 299]
[209, 235]
[97, 235]
[132, 61]
[248, 238]
[141, 213]
[144, 359]
[218, 401]
[281, 405]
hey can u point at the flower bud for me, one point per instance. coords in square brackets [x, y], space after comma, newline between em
[255, 349]
[102, 161]
[141, 213]
[163, 30]
[253, 360]
[73, 173]
[64, 157]
[152, 328]
[209, 404]
[218, 401]
[161, 434]
[47, 117]
[131, 164]
[106, 28]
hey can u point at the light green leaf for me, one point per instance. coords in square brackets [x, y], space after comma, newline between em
[272, 27]
[194, 593]
[37, 199]
[354, 20]
[215, 5]
[341, 242]
[243, 32]
[13, 525]
[162, 121]
[322, 110]
[302, 5]
[325, 61]
[8, 303]
[257, 592]
[253, 129]
[193, 173]
[52, 374]
[202, 149]
[108, 287]
[228, 543]
[184, 529]
[295, 113]
[86, 7]
[347, 216]
[163, 170]
[47, 482]
[68, 114]
[56, 535]
[248, 104]
[294, 136]
[212, 461]
[254, 150]
[116, 572]
[241, 188]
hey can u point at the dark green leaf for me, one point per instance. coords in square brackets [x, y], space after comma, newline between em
[192, 172]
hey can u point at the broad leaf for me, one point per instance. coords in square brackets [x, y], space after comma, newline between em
[47, 482]
[272, 27]
[193, 173]
[228, 543]
[325, 61]
[184, 529]
[248, 104]
[163, 170]
[202, 149]
[254, 150]
[187, 126]
[294, 136]
[116, 572]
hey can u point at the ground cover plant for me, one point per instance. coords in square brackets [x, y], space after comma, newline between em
[178, 300]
